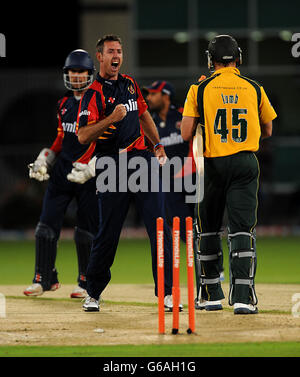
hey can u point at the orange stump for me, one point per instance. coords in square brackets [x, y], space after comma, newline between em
[160, 274]
[190, 273]
[176, 265]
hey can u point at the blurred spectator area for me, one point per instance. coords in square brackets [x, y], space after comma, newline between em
[279, 193]
[161, 40]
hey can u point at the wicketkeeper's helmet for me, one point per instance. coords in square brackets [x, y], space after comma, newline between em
[78, 59]
[223, 49]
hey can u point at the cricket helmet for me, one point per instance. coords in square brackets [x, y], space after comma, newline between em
[223, 49]
[78, 59]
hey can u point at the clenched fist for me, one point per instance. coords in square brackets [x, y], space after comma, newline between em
[119, 113]
[161, 156]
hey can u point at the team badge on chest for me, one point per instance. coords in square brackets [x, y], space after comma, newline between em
[131, 89]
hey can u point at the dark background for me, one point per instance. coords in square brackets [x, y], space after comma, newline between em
[162, 40]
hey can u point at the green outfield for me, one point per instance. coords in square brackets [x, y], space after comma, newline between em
[266, 349]
[278, 263]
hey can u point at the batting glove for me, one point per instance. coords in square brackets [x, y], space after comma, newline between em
[39, 169]
[82, 172]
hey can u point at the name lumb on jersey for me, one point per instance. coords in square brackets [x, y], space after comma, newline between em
[230, 98]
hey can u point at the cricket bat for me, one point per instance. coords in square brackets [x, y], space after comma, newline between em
[199, 161]
[198, 151]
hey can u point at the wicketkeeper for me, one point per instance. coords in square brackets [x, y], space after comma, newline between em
[55, 164]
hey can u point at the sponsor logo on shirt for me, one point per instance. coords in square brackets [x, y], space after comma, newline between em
[131, 105]
[69, 127]
[172, 139]
[84, 112]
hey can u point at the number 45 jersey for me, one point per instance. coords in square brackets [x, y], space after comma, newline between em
[231, 108]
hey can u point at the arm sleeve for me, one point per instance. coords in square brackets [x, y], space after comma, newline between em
[88, 112]
[266, 110]
[190, 106]
[142, 106]
[56, 147]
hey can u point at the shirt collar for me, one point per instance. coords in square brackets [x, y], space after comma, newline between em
[106, 81]
[227, 70]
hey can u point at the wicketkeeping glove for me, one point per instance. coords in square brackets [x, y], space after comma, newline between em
[40, 168]
[82, 172]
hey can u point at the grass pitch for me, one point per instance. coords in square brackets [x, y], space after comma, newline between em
[278, 262]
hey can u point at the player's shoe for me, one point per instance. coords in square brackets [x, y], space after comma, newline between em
[240, 308]
[209, 306]
[36, 289]
[54, 287]
[90, 304]
[168, 302]
[222, 276]
[78, 292]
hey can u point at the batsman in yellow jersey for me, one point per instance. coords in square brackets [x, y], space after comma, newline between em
[235, 114]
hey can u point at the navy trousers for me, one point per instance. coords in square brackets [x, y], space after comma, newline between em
[59, 194]
[113, 208]
[176, 205]
[57, 200]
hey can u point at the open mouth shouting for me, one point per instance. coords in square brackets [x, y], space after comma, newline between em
[115, 65]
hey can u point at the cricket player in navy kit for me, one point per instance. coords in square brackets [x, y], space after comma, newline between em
[114, 113]
[55, 163]
[167, 117]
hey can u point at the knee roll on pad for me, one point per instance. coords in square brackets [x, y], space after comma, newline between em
[242, 267]
[45, 231]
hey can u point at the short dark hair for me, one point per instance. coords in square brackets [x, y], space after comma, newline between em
[109, 38]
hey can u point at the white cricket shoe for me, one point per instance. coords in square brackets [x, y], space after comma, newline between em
[240, 308]
[36, 289]
[209, 306]
[78, 292]
[90, 304]
[168, 301]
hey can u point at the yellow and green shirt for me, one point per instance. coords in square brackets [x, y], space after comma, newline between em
[231, 108]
